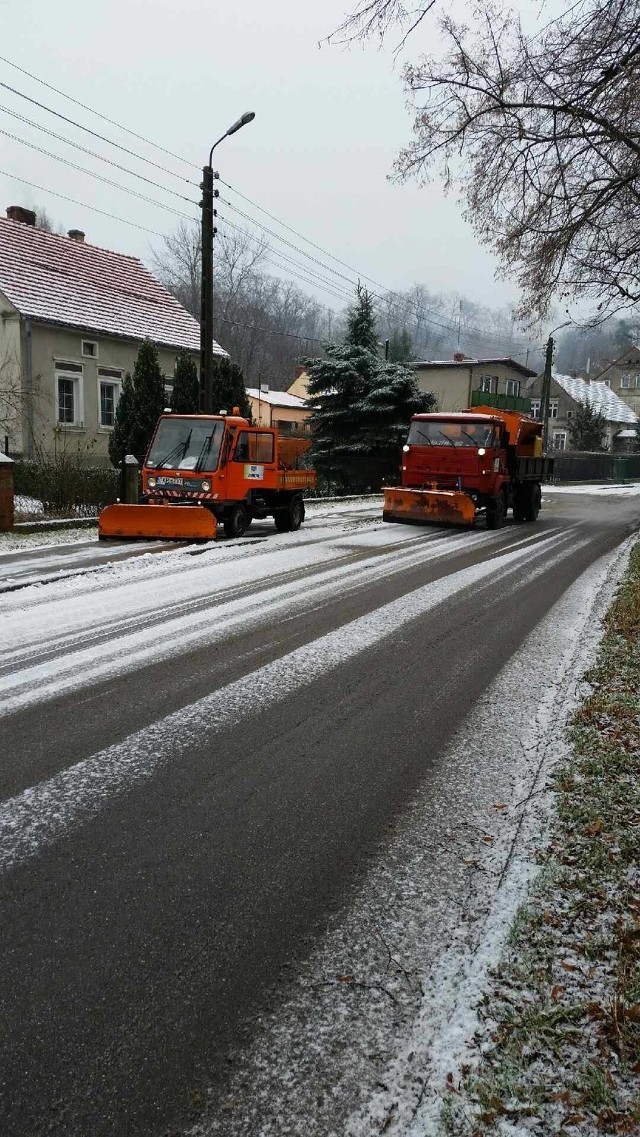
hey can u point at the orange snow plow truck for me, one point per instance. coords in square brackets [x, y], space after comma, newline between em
[202, 469]
[459, 465]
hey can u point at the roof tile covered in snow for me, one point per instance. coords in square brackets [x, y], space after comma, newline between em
[506, 360]
[276, 398]
[598, 396]
[57, 280]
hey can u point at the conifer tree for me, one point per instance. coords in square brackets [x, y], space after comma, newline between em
[148, 391]
[121, 437]
[229, 390]
[184, 397]
[360, 406]
[587, 428]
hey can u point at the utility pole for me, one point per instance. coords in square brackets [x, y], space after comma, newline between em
[206, 300]
[545, 396]
[209, 195]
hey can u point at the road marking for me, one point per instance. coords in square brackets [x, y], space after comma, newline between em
[43, 813]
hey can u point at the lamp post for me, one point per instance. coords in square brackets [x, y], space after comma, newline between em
[206, 301]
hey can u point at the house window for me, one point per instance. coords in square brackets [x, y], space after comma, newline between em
[607, 382]
[569, 414]
[488, 383]
[90, 348]
[535, 408]
[625, 380]
[109, 386]
[559, 440]
[513, 386]
[68, 380]
[553, 408]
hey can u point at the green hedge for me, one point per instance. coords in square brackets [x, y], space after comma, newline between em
[66, 487]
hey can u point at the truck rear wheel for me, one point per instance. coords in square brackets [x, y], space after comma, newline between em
[236, 522]
[289, 519]
[532, 502]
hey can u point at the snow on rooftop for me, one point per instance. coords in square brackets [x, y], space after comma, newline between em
[57, 280]
[277, 398]
[598, 396]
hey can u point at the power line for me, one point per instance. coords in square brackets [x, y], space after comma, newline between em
[98, 177]
[98, 114]
[94, 133]
[95, 154]
[82, 204]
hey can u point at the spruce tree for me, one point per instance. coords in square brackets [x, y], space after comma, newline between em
[587, 428]
[361, 322]
[184, 397]
[229, 390]
[360, 406]
[401, 347]
[148, 392]
[121, 437]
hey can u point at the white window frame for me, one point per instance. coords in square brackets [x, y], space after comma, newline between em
[625, 381]
[553, 408]
[560, 434]
[492, 380]
[512, 387]
[76, 376]
[607, 382]
[113, 381]
[535, 408]
[89, 354]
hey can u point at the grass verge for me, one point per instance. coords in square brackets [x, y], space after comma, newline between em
[560, 1035]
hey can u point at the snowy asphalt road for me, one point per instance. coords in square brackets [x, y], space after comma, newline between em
[201, 755]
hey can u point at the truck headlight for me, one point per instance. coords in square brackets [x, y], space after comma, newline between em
[151, 482]
[206, 486]
[481, 452]
[406, 449]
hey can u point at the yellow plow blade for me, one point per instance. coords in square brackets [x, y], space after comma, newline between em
[158, 522]
[429, 507]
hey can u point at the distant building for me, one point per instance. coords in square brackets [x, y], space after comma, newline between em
[72, 317]
[623, 377]
[568, 392]
[453, 381]
[288, 413]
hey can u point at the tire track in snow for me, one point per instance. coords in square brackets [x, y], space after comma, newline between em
[43, 813]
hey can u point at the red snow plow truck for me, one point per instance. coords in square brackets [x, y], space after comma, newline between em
[480, 461]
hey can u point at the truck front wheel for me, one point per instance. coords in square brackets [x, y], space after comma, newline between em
[496, 512]
[289, 519]
[236, 522]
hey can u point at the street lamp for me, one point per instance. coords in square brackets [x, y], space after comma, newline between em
[206, 300]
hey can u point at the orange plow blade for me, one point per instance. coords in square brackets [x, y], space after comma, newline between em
[429, 507]
[159, 522]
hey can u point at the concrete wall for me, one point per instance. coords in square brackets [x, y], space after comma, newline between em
[452, 384]
[52, 347]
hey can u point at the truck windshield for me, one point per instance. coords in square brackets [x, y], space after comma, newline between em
[186, 444]
[452, 433]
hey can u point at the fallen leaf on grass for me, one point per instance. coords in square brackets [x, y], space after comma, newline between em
[568, 966]
[488, 838]
[345, 979]
[556, 992]
[574, 1119]
[500, 805]
[596, 827]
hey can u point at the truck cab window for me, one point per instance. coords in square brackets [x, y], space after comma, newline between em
[254, 446]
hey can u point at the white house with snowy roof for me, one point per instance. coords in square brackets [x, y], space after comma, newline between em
[72, 317]
[568, 392]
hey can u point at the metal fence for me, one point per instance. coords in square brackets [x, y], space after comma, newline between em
[578, 466]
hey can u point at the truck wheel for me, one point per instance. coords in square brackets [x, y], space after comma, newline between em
[496, 512]
[290, 519]
[532, 502]
[519, 505]
[236, 522]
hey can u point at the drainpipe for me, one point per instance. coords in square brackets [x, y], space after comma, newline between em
[28, 359]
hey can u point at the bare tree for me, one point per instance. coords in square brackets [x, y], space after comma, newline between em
[542, 135]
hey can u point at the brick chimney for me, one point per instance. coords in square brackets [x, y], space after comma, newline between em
[18, 213]
[459, 356]
[76, 235]
[300, 370]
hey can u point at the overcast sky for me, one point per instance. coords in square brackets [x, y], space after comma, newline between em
[329, 122]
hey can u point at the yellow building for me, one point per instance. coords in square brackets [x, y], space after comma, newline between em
[281, 409]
